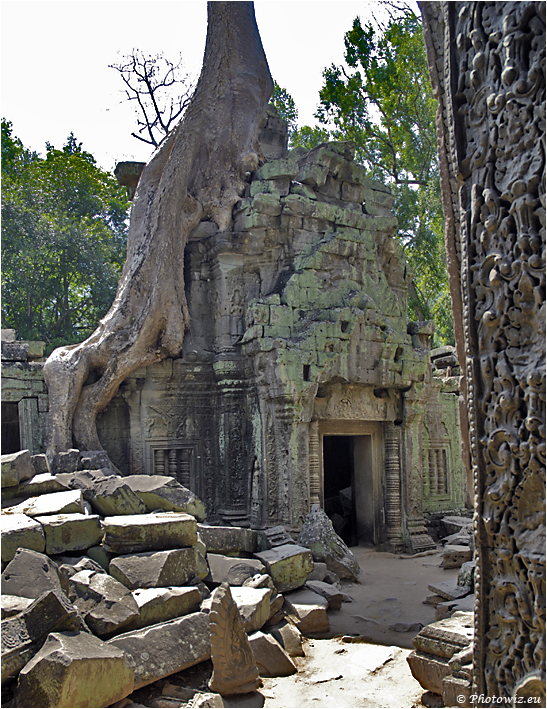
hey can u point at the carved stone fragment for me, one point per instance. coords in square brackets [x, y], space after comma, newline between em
[234, 666]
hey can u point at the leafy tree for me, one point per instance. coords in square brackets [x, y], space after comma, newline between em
[381, 100]
[161, 91]
[286, 107]
[64, 224]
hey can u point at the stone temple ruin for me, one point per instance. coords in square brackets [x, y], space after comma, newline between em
[302, 380]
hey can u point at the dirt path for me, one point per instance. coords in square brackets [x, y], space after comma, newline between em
[371, 674]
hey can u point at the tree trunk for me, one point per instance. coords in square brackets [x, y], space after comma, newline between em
[198, 173]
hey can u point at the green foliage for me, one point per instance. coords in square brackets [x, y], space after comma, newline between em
[285, 105]
[381, 100]
[309, 137]
[64, 228]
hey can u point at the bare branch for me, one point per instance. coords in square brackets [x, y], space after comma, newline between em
[162, 92]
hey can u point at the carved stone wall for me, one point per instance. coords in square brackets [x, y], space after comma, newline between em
[487, 63]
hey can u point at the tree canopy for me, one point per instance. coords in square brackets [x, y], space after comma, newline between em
[380, 98]
[64, 228]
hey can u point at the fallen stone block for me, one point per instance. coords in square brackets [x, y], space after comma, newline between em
[154, 569]
[319, 572]
[448, 591]
[233, 571]
[229, 541]
[456, 692]
[101, 556]
[41, 484]
[148, 532]
[20, 531]
[434, 600]
[261, 581]
[253, 605]
[466, 576]
[163, 649]
[447, 608]
[75, 670]
[446, 637]
[55, 503]
[12, 605]
[309, 611]
[318, 535]
[93, 460]
[70, 565]
[207, 700]
[40, 463]
[234, 666]
[24, 634]
[158, 605]
[16, 467]
[277, 536]
[454, 524]
[333, 596]
[428, 670]
[289, 637]
[105, 604]
[454, 556]
[70, 532]
[288, 565]
[461, 539]
[276, 606]
[165, 493]
[271, 659]
[30, 574]
[112, 496]
[65, 462]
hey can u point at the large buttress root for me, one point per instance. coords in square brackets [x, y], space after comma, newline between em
[198, 172]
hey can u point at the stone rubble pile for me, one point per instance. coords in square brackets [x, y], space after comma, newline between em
[107, 582]
[443, 659]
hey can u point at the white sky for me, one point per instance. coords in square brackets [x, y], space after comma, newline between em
[55, 57]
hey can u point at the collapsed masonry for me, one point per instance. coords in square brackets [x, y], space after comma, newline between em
[301, 380]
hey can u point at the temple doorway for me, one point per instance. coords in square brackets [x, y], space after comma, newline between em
[352, 489]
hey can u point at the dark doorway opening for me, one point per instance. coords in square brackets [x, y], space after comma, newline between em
[339, 486]
[11, 436]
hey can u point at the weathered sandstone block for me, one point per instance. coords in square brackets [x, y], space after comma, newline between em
[318, 535]
[148, 532]
[20, 531]
[230, 541]
[158, 605]
[455, 555]
[271, 659]
[55, 503]
[234, 571]
[154, 569]
[12, 605]
[333, 596]
[75, 670]
[166, 648]
[23, 634]
[16, 467]
[309, 610]
[288, 565]
[105, 604]
[253, 605]
[164, 492]
[112, 496]
[289, 637]
[30, 574]
[70, 532]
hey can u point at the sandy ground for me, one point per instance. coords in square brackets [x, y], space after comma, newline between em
[368, 674]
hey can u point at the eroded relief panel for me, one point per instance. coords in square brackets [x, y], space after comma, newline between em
[487, 64]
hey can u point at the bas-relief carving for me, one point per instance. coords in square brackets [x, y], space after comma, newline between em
[496, 74]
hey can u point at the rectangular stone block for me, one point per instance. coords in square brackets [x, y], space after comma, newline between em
[50, 504]
[166, 648]
[288, 565]
[158, 605]
[429, 671]
[16, 467]
[148, 532]
[230, 541]
[20, 531]
[70, 532]
[155, 569]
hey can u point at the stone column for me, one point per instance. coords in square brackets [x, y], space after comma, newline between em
[315, 480]
[29, 429]
[393, 487]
